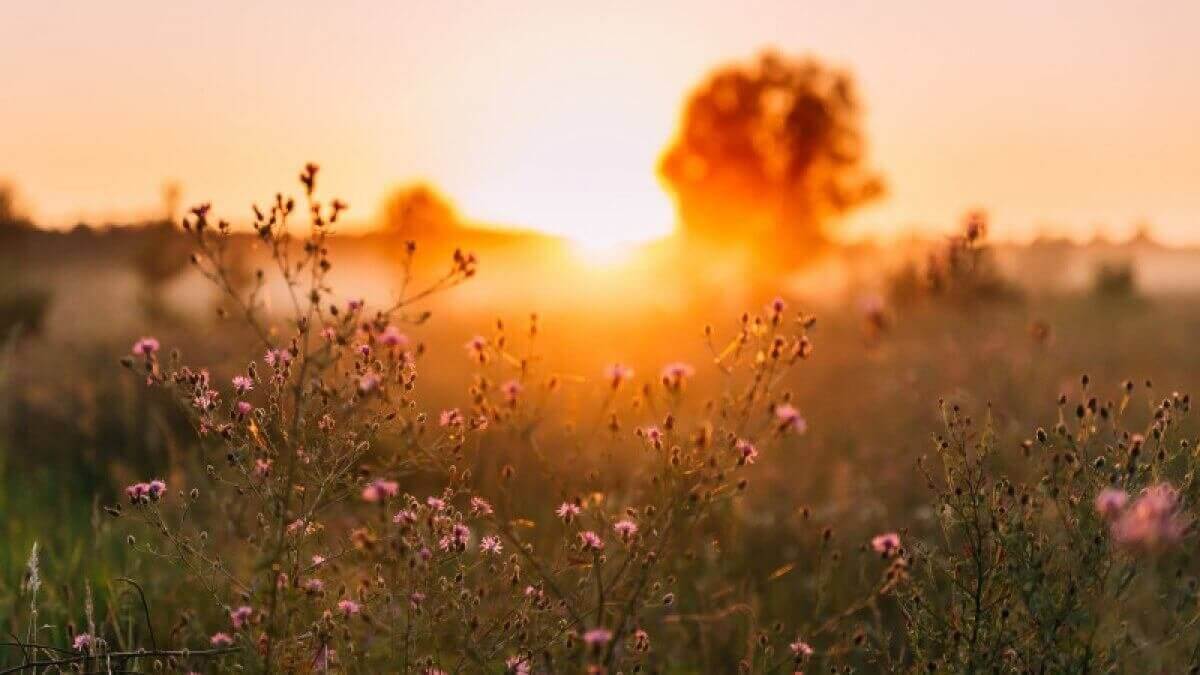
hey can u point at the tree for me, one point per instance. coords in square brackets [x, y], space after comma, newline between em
[769, 154]
[418, 212]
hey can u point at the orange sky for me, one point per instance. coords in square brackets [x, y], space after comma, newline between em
[1068, 114]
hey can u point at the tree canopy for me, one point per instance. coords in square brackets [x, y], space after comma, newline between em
[770, 153]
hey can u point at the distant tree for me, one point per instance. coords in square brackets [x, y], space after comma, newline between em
[769, 153]
[418, 212]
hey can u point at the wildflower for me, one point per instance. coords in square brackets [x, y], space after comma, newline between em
[262, 467]
[436, 503]
[83, 642]
[137, 491]
[348, 608]
[517, 665]
[597, 637]
[511, 390]
[368, 382]
[618, 373]
[790, 419]
[242, 384]
[241, 616]
[392, 337]
[653, 435]
[476, 349]
[1110, 501]
[451, 417]
[277, 358]
[146, 347]
[221, 640]
[318, 560]
[416, 599]
[244, 408]
[567, 511]
[746, 451]
[625, 528]
[675, 375]
[404, 517]
[481, 507]
[457, 539]
[379, 490]
[800, 648]
[491, 544]
[886, 543]
[591, 541]
[354, 305]
[329, 333]
[777, 306]
[364, 350]
[314, 586]
[1152, 520]
[296, 526]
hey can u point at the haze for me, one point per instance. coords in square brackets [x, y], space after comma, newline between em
[1058, 117]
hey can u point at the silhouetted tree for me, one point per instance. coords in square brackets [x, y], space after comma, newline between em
[768, 153]
[418, 212]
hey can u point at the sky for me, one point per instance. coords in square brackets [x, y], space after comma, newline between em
[1062, 117]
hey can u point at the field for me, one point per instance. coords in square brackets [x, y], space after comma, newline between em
[720, 514]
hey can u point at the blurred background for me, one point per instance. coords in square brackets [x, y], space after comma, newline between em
[979, 202]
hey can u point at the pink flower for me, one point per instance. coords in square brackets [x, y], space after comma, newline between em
[801, 648]
[392, 337]
[380, 489]
[746, 451]
[243, 408]
[314, 586]
[262, 467]
[146, 346]
[1110, 501]
[653, 435]
[242, 384]
[618, 373]
[241, 616]
[491, 544]
[404, 517]
[790, 419]
[625, 528]
[83, 642]
[318, 560]
[886, 543]
[597, 637]
[481, 507]
[329, 333]
[451, 417]
[457, 539]
[277, 358]
[476, 349]
[144, 492]
[675, 375]
[435, 503]
[369, 382]
[354, 305]
[156, 488]
[777, 306]
[591, 541]
[364, 350]
[511, 390]
[348, 608]
[221, 640]
[567, 511]
[517, 665]
[416, 599]
[1152, 520]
